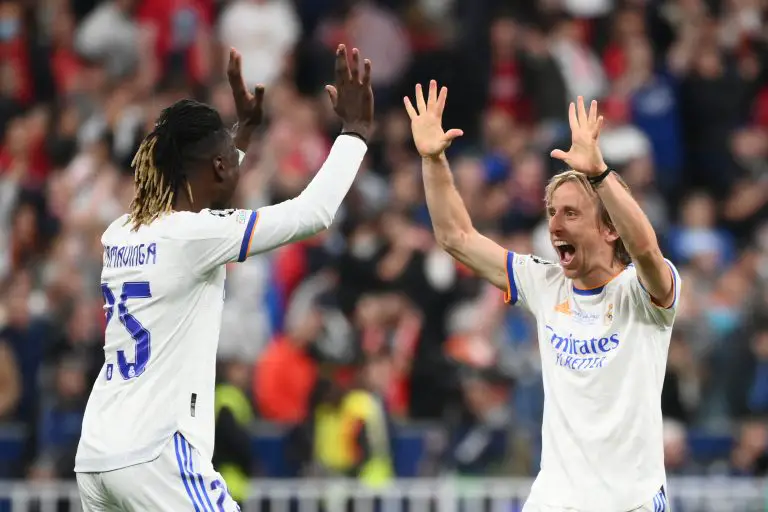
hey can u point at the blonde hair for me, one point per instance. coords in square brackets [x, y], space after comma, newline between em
[155, 193]
[184, 132]
[620, 252]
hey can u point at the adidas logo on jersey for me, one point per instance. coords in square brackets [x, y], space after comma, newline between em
[582, 317]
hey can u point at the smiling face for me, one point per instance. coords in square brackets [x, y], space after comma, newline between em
[578, 229]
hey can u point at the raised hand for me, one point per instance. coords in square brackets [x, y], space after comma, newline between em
[249, 105]
[584, 155]
[352, 95]
[426, 123]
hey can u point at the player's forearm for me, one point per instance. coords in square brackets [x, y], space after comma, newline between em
[639, 238]
[630, 221]
[450, 218]
[314, 209]
[323, 196]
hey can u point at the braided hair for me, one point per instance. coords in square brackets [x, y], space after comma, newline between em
[185, 131]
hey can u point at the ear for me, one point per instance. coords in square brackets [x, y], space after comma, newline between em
[610, 234]
[219, 169]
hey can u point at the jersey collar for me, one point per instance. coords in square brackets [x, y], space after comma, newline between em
[586, 292]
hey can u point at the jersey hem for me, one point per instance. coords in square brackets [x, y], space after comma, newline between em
[634, 504]
[119, 461]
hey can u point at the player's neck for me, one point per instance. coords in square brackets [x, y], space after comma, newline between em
[183, 204]
[598, 276]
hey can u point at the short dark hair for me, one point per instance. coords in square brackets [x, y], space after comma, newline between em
[185, 131]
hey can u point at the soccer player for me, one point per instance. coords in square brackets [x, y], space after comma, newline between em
[148, 431]
[604, 317]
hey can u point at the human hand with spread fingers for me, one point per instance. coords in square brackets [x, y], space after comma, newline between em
[352, 94]
[427, 121]
[584, 154]
[248, 105]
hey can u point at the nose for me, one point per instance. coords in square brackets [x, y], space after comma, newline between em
[555, 224]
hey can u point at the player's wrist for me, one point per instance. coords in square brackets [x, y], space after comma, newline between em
[434, 158]
[359, 129]
[597, 180]
[243, 134]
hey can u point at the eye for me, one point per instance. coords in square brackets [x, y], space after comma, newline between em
[570, 214]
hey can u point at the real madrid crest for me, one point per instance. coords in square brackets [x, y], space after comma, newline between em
[609, 315]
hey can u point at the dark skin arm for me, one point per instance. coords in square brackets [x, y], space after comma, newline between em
[351, 96]
[249, 105]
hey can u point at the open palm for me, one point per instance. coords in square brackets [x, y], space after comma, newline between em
[584, 154]
[426, 123]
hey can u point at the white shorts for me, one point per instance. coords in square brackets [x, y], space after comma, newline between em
[657, 504]
[178, 480]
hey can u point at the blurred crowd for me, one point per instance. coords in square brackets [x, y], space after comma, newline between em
[373, 304]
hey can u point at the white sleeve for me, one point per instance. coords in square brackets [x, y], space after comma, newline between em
[221, 237]
[528, 276]
[662, 316]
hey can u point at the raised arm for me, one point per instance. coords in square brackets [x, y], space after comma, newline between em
[450, 219]
[632, 226]
[220, 237]
[314, 209]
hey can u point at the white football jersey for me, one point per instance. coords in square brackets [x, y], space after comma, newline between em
[604, 355]
[163, 288]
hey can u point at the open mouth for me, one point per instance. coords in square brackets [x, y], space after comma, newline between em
[566, 252]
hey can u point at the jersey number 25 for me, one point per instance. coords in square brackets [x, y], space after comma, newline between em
[140, 335]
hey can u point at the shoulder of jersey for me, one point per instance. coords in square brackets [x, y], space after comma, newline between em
[239, 215]
[541, 261]
[537, 261]
[117, 225]
[628, 273]
[227, 212]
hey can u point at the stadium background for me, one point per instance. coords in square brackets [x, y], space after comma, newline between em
[373, 301]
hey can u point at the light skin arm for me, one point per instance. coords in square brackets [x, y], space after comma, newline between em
[632, 225]
[450, 220]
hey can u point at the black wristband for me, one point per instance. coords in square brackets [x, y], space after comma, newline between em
[596, 180]
[355, 134]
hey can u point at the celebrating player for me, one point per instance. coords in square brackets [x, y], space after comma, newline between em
[148, 431]
[604, 317]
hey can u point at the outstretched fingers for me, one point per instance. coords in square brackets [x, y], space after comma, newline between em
[582, 112]
[333, 93]
[366, 72]
[420, 103]
[434, 104]
[593, 113]
[573, 122]
[342, 65]
[441, 101]
[355, 66]
[453, 133]
[598, 127]
[234, 73]
[409, 108]
[432, 96]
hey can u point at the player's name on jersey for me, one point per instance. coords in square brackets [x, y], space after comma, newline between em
[582, 354]
[117, 256]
